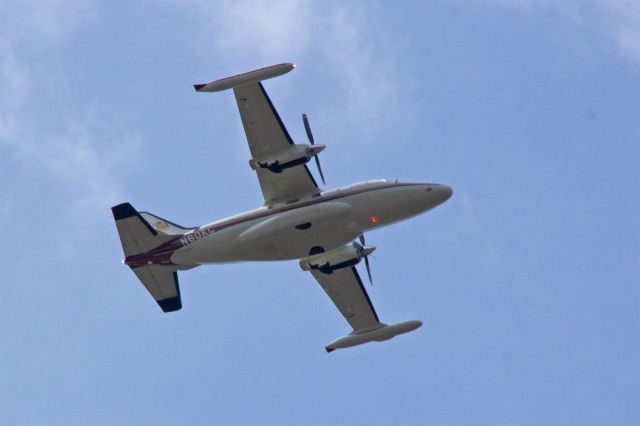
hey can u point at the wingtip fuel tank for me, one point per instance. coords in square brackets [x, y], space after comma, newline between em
[245, 78]
[381, 334]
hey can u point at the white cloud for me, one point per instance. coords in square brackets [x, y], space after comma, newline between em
[265, 28]
[258, 33]
[366, 71]
[625, 19]
[13, 83]
[79, 160]
[622, 17]
[82, 161]
[44, 21]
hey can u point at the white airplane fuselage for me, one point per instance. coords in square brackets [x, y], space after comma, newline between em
[295, 230]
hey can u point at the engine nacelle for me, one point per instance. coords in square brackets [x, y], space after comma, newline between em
[291, 156]
[343, 257]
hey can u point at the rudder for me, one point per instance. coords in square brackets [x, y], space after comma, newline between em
[136, 235]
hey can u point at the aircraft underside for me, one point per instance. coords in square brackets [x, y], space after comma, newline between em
[293, 245]
[298, 220]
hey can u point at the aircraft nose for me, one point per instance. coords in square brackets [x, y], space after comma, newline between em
[444, 192]
[441, 192]
[427, 196]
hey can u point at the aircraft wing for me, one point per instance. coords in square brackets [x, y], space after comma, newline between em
[266, 134]
[347, 292]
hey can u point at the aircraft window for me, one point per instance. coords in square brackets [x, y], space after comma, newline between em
[353, 185]
[356, 185]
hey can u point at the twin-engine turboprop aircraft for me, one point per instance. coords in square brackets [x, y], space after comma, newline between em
[297, 221]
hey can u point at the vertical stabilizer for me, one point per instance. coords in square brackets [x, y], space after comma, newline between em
[136, 235]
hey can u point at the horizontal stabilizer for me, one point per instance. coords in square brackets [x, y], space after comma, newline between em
[380, 334]
[163, 226]
[162, 284]
[254, 76]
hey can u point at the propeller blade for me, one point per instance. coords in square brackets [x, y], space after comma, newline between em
[366, 263]
[365, 251]
[307, 128]
[320, 169]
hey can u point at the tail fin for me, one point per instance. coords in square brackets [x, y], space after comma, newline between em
[136, 234]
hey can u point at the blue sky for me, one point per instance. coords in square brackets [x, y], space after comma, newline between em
[527, 280]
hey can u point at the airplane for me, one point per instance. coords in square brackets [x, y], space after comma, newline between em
[323, 229]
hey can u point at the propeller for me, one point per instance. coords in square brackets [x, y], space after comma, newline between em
[307, 128]
[365, 252]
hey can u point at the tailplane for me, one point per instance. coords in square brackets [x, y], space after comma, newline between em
[140, 233]
[163, 226]
[162, 284]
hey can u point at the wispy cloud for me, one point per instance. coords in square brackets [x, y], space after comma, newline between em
[625, 20]
[47, 21]
[78, 157]
[264, 32]
[365, 75]
[621, 18]
[13, 81]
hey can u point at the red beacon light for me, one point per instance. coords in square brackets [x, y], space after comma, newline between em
[374, 219]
